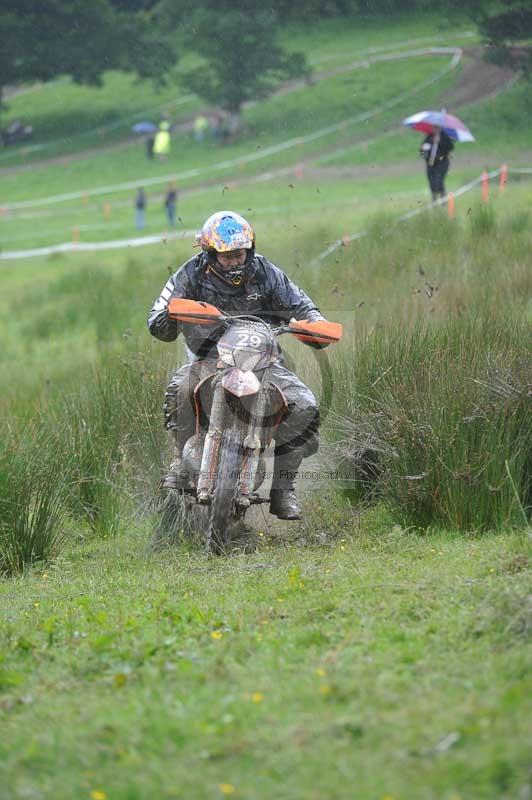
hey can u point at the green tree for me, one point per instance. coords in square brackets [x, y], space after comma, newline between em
[42, 39]
[505, 25]
[236, 41]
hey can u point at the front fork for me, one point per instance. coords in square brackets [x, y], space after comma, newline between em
[211, 448]
[252, 448]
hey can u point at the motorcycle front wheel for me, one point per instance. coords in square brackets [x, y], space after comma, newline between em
[225, 491]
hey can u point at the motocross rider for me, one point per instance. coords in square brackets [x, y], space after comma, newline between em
[230, 275]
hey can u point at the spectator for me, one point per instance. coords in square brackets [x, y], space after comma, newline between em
[170, 203]
[435, 150]
[140, 209]
[216, 124]
[201, 126]
[161, 145]
[150, 142]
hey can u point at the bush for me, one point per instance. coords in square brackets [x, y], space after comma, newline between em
[437, 421]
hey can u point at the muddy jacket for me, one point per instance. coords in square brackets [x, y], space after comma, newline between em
[266, 293]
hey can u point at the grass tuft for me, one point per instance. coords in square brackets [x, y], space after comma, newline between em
[436, 420]
[34, 495]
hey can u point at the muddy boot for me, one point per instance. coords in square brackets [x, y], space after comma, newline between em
[283, 500]
[175, 479]
[284, 505]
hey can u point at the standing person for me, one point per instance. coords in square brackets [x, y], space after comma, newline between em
[170, 204]
[435, 150]
[216, 125]
[150, 143]
[229, 274]
[201, 126]
[161, 145]
[140, 209]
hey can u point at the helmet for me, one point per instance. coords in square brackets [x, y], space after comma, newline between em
[225, 231]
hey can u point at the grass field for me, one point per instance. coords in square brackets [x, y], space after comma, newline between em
[381, 664]
[270, 123]
[380, 648]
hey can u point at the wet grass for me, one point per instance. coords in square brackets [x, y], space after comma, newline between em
[349, 669]
[95, 381]
[377, 649]
[269, 123]
[436, 421]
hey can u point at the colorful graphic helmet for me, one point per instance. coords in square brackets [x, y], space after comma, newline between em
[225, 231]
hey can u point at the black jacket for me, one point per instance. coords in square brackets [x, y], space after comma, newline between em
[445, 145]
[266, 293]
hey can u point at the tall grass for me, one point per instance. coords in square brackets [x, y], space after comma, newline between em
[113, 427]
[436, 419]
[434, 414]
[34, 495]
[94, 454]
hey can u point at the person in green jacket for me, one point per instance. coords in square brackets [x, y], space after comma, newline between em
[161, 145]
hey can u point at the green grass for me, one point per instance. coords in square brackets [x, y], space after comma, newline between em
[340, 205]
[346, 205]
[360, 34]
[499, 125]
[436, 421]
[273, 122]
[33, 497]
[67, 117]
[18, 228]
[86, 299]
[346, 656]
[345, 671]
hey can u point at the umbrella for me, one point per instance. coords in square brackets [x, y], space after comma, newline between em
[144, 127]
[426, 121]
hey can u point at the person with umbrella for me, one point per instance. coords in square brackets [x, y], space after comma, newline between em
[442, 131]
[435, 150]
[150, 130]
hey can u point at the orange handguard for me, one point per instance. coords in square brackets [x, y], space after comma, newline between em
[194, 311]
[319, 332]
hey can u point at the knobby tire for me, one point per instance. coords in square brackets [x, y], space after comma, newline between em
[225, 491]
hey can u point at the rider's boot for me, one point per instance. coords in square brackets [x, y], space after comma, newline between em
[283, 500]
[176, 478]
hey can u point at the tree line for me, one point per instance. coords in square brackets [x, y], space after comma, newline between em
[236, 40]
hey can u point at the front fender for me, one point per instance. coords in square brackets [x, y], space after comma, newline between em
[240, 383]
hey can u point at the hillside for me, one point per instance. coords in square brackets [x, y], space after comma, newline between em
[379, 649]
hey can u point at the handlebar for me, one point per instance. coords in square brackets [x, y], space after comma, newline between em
[199, 313]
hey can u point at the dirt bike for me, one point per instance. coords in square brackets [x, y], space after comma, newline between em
[238, 409]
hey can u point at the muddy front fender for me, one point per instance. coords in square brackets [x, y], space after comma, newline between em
[241, 383]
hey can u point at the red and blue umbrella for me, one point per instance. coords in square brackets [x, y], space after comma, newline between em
[427, 121]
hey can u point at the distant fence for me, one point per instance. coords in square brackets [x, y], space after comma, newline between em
[78, 247]
[75, 246]
[482, 180]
